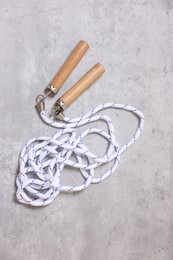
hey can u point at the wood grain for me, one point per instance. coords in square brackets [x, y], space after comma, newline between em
[69, 65]
[85, 82]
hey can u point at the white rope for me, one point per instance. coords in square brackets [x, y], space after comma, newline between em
[42, 159]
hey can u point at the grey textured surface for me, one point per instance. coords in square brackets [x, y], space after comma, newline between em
[128, 216]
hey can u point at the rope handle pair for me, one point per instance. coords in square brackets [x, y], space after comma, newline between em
[61, 76]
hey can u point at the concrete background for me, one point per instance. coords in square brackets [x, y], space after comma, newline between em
[128, 216]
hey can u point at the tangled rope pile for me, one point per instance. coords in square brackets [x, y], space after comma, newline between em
[42, 159]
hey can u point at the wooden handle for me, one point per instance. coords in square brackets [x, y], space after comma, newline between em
[68, 66]
[85, 82]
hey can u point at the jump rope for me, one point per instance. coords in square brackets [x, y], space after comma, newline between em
[42, 159]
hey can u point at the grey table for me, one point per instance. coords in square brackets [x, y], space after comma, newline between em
[128, 216]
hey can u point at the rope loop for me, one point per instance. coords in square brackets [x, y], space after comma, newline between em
[43, 159]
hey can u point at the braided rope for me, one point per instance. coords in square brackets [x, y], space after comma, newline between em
[42, 159]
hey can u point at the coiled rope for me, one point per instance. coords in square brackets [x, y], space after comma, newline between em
[42, 159]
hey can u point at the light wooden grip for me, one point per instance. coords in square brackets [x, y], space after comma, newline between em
[68, 66]
[85, 82]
